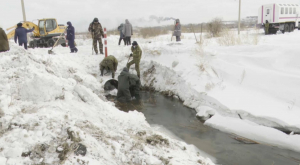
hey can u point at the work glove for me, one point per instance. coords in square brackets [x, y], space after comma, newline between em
[131, 55]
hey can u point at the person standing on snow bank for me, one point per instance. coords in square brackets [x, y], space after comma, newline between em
[122, 37]
[137, 55]
[21, 35]
[97, 32]
[267, 25]
[71, 37]
[109, 63]
[134, 86]
[4, 46]
[177, 30]
[123, 94]
[127, 31]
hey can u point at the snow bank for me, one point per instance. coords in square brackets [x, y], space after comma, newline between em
[255, 83]
[52, 101]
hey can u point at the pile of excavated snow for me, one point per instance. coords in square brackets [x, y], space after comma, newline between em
[52, 103]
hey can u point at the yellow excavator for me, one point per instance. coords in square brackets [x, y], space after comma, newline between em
[45, 34]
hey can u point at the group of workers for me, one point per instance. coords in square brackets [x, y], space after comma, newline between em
[128, 84]
[125, 32]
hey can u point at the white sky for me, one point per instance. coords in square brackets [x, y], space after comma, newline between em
[113, 12]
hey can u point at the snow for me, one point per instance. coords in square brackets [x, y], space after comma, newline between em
[257, 81]
[250, 89]
[43, 96]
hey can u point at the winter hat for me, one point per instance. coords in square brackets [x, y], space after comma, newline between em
[96, 20]
[125, 69]
[134, 43]
[69, 23]
[19, 24]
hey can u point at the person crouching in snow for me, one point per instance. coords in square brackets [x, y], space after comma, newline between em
[177, 30]
[109, 63]
[71, 37]
[4, 46]
[134, 86]
[123, 94]
[137, 55]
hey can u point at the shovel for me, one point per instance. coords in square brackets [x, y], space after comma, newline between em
[50, 51]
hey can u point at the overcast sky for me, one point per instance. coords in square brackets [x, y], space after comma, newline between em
[113, 12]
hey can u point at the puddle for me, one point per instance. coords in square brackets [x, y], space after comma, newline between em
[225, 148]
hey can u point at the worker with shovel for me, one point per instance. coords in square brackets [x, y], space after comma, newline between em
[97, 32]
[137, 55]
[109, 63]
[71, 37]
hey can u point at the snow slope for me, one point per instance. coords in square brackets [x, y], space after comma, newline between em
[45, 97]
[250, 88]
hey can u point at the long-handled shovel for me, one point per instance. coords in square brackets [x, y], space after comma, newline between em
[128, 59]
[50, 51]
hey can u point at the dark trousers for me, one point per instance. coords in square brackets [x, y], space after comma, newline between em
[121, 40]
[72, 46]
[178, 38]
[25, 44]
[128, 41]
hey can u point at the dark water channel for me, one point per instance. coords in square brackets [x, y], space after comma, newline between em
[182, 122]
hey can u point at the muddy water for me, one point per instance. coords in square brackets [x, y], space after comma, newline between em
[182, 122]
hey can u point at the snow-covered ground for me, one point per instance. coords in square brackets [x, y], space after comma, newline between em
[47, 98]
[249, 88]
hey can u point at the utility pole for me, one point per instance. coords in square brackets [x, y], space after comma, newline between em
[239, 28]
[23, 10]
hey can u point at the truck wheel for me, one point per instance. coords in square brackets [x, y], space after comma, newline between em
[286, 28]
[292, 27]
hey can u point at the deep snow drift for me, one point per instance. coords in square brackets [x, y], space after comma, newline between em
[47, 98]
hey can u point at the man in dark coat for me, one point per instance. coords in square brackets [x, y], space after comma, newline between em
[97, 32]
[21, 35]
[122, 37]
[177, 30]
[134, 86]
[137, 55]
[109, 63]
[123, 94]
[4, 46]
[127, 31]
[71, 37]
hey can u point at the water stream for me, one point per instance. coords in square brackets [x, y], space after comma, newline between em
[182, 122]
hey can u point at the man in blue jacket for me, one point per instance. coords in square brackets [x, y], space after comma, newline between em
[21, 35]
[71, 37]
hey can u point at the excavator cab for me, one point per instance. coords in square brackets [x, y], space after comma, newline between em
[46, 26]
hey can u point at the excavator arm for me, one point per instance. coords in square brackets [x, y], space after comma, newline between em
[26, 25]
